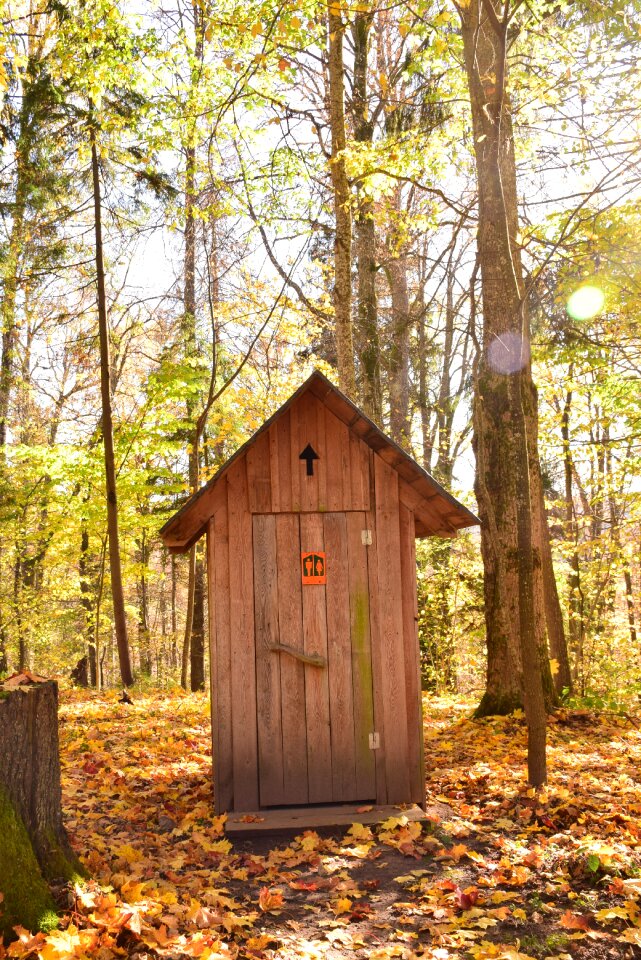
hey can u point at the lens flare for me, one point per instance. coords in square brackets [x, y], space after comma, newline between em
[585, 302]
[508, 353]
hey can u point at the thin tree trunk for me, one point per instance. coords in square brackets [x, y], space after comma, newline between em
[575, 598]
[342, 292]
[117, 593]
[553, 613]
[197, 654]
[189, 619]
[87, 605]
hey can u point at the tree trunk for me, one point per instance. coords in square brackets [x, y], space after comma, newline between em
[367, 313]
[399, 359]
[533, 696]
[342, 292]
[30, 806]
[553, 613]
[120, 617]
[505, 354]
[197, 652]
[576, 626]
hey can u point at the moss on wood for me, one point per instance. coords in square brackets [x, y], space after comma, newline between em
[498, 705]
[27, 899]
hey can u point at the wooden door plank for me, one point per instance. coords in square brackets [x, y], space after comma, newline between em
[268, 705]
[243, 673]
[412, 661]
[259, 475]
[362, 682]
[319, 757]
[391, 631]
[339, 655]
[292, 671]
[220, 659]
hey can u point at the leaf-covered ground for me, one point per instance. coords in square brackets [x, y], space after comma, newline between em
[497, 872]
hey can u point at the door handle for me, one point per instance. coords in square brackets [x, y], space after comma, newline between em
[314, 659]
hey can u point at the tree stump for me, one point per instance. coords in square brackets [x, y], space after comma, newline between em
[34, 848]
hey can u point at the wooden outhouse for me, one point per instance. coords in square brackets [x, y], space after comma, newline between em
[315, 680]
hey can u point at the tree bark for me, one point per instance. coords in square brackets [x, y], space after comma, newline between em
[342, 292]
[369, 352]
[117, 593]
[197, 653]
[34, 848]
[505, 354]
[576, 624]
[399, 354]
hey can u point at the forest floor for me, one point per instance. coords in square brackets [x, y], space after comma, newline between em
[497, 872]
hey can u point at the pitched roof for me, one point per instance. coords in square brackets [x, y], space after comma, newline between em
[187, 525]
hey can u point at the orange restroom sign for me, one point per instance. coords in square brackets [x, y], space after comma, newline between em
[313, 568]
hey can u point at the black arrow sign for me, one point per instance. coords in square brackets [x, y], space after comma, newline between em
[309, 454]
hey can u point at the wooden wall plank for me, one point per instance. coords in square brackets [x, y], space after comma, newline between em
[220, 659]
[268, 701]
[339, 655]
[336, 478]
[292, 671]
[320, 465]
[273, 437]
[282, 490]
[319, 757]
[259, 475]
[308, 434]
[243, 664]
[362, 682]
[296, 467]
[391, 631]
[412, 662]
[376, 646]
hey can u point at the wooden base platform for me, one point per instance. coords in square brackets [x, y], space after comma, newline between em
[297, 819]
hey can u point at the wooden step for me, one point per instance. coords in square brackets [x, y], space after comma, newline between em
[297, 819]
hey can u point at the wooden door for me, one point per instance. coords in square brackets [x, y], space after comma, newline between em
[313, 660]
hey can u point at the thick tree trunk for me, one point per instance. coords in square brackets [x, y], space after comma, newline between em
[399, 354]
[342, 292]
[30, 805]
[505, 353]
[369, 352]
[117, 593]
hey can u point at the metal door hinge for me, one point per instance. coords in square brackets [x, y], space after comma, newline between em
[374, 741]
[366, 538]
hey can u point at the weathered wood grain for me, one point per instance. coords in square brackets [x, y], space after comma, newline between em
[292, 673]
[339, 655]
[362, 680]
[259, 475]
[412, 663]
[220, 658]
[391, 631]
[268, 682]
[319, 755]
[243, 664]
